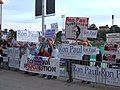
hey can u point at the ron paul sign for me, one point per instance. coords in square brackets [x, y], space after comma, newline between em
[74, 27]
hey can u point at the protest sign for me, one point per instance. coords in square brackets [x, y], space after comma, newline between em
[13, 55]
[49, 33]
[22, 35]
[40, 65]
[107, 76]
[113, 37]
[90, 50]
[74, 26]
[33, 36]
[89, 33]
[54, 26]
[70, 51]
[27, 36]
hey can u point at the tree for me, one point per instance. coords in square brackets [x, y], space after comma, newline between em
[58, 37]
[101, 35]
[92, 27]
[114, 29]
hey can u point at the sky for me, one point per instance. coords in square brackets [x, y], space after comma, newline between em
[20, 14]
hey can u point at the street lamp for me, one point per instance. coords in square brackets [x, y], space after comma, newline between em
[1, 2]
[63, 16]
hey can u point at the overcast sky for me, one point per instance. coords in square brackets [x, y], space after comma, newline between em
[20, 14]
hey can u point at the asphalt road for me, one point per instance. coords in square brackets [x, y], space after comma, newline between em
[15, 80]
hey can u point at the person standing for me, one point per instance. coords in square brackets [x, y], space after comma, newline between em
[98, 59]
[85, 58]
[1, 56]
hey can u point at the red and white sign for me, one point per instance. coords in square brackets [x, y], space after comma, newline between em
[74, 27]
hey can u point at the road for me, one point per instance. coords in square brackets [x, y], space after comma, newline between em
[15, 80]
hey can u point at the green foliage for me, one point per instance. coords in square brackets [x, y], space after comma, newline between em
[102, 35]
[92, 27]
[114, 29]
[58, 37]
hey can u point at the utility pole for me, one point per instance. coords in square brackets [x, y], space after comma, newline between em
[1, 2]
[112, 20]
[63, 17]
[43, 16]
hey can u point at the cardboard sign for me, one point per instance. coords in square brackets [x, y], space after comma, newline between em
[74, 26]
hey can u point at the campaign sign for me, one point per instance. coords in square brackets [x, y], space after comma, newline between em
[70, 51]
[50, 33]
[74, 27]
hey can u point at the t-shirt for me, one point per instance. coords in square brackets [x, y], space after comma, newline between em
[55, 53]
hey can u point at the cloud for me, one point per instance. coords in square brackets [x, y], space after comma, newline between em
[20, 13]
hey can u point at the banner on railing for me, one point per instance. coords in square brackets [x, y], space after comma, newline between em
[107, 76]
[40, 65]
[13, 55]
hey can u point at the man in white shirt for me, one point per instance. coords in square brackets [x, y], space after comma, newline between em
[55, 52]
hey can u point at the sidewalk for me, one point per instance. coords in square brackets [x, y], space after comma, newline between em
[15, 80]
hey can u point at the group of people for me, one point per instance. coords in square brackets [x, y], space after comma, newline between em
[45, 48]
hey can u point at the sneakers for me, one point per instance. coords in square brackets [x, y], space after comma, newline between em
[87, 82]
[54, 77]
[83, 81]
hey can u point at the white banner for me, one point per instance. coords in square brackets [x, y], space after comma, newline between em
[14, 62]
[90, 50]
[22, 35]
[33, 36]
[70, 51]
[40, 65]
[83, 72]
[50, 33]
[13, 54]
[113, 37]
[74, 27]
[99, 75]
[89, 33]
[0, 14]
[27, 36]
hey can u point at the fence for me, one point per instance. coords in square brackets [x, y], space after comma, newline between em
[107, 73]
